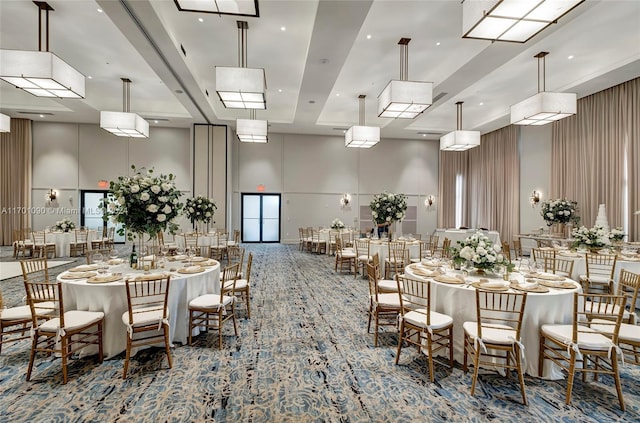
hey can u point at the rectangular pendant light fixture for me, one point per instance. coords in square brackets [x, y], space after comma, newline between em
[543, 107]
[511, 20]
[41, 73]
[459, 140]
[220, 7]
[5, 123]
[241, 87]
[361, 136]
[125, 123]
[404, 99]
[252, 130]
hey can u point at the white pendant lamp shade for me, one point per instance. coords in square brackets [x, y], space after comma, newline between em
[459, 140]
[543, 108]
[41, 72]
[511, 20]
[251, 130]
[241, 88]
[123, 124]
[362, 136]
[5, 123]
[404, 99]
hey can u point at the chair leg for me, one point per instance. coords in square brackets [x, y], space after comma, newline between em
[65, 356]
[127, 357]
[616, 375]
[167, 347]
[32, 356]
[541, 356]
[465, 366]
[451, 347]
[476, 361]
[220, 330]
[190, 326]
[518, 358]
[429, 350]
[248, 303]
[400, 338]
[572, 372]
[100, 348]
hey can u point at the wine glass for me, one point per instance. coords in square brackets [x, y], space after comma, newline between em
[467, 267]
[97, 259]
[191, 251]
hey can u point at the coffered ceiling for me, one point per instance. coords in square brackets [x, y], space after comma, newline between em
[318, 57]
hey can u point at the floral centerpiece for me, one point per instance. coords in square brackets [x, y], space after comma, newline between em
[143, 203]
[616, 234]
[388, 207]
[560, 211]
[200, 209]
[64, 225]
[591, 238]
[337, 224]
[481, 252]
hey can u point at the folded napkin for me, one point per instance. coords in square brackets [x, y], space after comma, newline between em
[149, 258]
[447, 279]
[528, 283]
[493, 284]
[84, 268]
[549, 277]
[423, 272]
[77, 275]
[430, 263]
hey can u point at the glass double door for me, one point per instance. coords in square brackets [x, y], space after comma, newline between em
[260, 217]
[91, 214]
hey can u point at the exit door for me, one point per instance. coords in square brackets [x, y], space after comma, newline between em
[260, 217]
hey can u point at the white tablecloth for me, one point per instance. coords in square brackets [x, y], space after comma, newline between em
[461, 234]
[111, 298]
[458, 301]
[63, 241]
[382, 248]
[327, 234]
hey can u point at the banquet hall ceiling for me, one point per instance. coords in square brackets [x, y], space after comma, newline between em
[318, 57]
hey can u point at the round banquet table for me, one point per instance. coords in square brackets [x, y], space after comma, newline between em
[63, 241]
[382, 248]
[458, 301]
[111, 298]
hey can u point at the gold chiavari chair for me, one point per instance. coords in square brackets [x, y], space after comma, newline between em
[384, 308]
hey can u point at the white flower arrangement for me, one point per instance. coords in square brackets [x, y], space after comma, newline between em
[559, 211]
[200, 209]
[616, 234]
[596, 237]
[64, 225]
[481, 251]
[337, 224]
[143, 203]
[388, 207]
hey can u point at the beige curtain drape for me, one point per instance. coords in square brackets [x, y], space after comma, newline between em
[491, 184]
[451, 164]
[494, 183]
[594, 156]
[15, 183]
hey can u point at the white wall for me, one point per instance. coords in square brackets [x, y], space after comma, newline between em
[312, 172]
[70, 157]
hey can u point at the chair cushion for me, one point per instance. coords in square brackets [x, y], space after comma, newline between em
[210, 301]
[241, 284]
[364, 257]
[608, 309]
[389, 300]
[592, 340]
[595, 279]
[347, 254]
[387, 285]
[627, 332]
[74, 319]
[142, 317]
[15, 313]
[494, 334]
[419, 318]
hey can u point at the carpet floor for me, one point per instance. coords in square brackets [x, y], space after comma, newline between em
[304, 356]
[10, 270]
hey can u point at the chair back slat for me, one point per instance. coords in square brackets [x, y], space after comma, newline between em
[600, 265]
[416, 296]
[146, 294]
[629, 285]
[229, 277]
[498, 309]
[608, 309]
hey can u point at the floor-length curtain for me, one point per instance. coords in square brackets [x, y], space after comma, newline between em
[15, 182]
[453, 167]
[594, 156]
[494, 183]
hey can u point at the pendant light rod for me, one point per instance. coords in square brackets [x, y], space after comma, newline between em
[404, 58]
[541, 70]
[459, 115]
[126, 94]
[361, 107]
[243, 26]
[43, 6]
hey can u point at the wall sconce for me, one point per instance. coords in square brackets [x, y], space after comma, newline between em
[535, 198]
[51, 196]
[428, 202]
[345, 200]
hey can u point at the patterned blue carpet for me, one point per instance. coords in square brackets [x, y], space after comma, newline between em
[304, 356]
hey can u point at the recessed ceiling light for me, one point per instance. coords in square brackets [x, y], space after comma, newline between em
[312, 102]
[283, 28]
[481, 103]
[570, 57]
[200, 19]
[337, 94]
[90, 77]
[280, 90]
[99, 10]
[41, 116]
[424, 135]
[368, 36]
[438, 43]
[155, 121]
